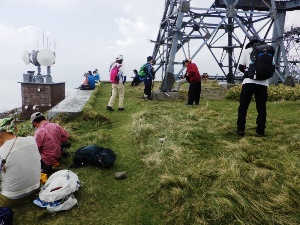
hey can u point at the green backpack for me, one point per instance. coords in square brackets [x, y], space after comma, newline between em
[142, 71]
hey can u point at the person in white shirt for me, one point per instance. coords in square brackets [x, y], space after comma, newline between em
[20, 166]
[250, 87]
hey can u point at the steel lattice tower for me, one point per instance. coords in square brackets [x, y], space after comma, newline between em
[224, 28]
[292, 48]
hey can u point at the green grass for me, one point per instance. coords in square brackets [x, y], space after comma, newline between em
[202, 173]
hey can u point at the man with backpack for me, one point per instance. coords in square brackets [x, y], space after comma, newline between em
[257, 66]
[149, 77]
[116, 79]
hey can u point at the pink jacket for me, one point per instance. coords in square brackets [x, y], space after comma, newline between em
[49, 137]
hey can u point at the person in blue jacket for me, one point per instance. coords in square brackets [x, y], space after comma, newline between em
[89, 84]
[149, 77]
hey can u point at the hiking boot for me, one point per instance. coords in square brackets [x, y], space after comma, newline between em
[260, 135]
[121, 109]
[240, 133]
[109, 108]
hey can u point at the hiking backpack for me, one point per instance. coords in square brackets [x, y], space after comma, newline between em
[262, 62]
[114, 74]
[142, 72]
[94, 155]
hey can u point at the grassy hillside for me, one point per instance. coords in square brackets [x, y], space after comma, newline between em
[185, 165]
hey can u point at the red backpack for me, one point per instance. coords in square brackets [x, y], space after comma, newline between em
[114, 78]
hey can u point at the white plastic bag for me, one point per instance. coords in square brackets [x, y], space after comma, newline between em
[59, 185]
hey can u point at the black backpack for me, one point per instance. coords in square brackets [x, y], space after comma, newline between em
[94, 155]
[6, 216]
[262, 62]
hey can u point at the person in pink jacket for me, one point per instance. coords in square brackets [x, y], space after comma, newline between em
[49, 138]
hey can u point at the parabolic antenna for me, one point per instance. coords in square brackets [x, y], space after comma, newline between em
[45, 57]
[26, 57]
[34, 58]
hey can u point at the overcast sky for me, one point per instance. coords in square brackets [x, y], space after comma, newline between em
[85, 35]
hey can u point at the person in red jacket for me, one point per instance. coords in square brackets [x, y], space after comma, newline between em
[194, 78]
[49, 138]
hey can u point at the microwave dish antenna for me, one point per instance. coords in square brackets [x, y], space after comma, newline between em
[45, 57]
[26, 57]
[34, 58]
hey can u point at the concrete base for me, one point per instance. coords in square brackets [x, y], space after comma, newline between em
[165, 96]
[72, 105]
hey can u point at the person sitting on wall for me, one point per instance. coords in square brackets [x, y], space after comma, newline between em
[20, 166]
[96, 76]
[89, 82]
[49, 138]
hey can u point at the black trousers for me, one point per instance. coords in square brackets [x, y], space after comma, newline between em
[194, 93]
[260, 93]
[147, 90]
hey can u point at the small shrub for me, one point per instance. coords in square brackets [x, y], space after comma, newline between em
[275, 93]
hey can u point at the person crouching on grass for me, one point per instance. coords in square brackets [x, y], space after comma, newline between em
[20, 166]
[49, 138]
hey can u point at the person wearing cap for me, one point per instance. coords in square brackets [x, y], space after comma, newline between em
[20, 166]
[89, 82]
[250, 87]
[96, 76]
[49, 138]
[136, 79]
[117, 88]
[194, 78]
[149, 77]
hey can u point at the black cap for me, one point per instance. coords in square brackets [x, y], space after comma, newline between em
[185, 61]
[253, 40]
[149, 58]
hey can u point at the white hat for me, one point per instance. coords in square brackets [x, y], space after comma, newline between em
[119, 57]
[35, 115]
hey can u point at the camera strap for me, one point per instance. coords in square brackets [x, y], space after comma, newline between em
[3, 161]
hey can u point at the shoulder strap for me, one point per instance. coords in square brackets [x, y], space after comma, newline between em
[3, 161]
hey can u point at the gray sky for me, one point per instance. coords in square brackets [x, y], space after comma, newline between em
[85, 35]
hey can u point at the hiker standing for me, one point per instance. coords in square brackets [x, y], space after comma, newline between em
[194, 78]
[258, 88]
[116, 78]
[49, 138]
[20, 166]
[149, 77]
